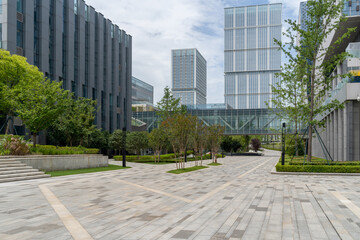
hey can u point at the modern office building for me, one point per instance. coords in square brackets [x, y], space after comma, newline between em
[188, 76]
[142, 92]
[341, 134]
[251, 56]
[70, 42]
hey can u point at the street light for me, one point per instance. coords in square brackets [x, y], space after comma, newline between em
[283, 144]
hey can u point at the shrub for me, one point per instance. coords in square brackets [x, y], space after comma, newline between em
[53, 150]
[256, 144]
[15, 145]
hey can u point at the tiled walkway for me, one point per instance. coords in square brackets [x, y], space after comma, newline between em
[238, 200]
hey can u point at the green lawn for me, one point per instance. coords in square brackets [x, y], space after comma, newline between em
[86, 170]
[185, 170]
[214, 164]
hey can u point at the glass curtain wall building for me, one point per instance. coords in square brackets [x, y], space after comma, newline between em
[251, 56]
[70, 42]
[189, 76]
[142, 92]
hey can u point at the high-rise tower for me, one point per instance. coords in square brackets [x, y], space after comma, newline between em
[251, 56]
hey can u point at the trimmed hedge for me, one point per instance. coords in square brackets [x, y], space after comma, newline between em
[53, 150]
[318, 168]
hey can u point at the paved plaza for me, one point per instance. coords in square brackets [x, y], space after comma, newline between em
[239, 200]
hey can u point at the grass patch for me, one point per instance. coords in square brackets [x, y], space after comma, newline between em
[318, 165]
[185, 170]
[214, 164]
[85, 170]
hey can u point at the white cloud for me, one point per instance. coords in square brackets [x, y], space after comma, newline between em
[157, 26]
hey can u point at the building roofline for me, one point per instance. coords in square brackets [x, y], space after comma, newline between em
[254, 5]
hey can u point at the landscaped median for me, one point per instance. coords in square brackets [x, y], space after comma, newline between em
[317, 165]
[164, 159]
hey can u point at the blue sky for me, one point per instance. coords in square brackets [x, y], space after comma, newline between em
[157, 26]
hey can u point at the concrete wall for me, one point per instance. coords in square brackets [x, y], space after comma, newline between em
[341, 134]
[64, 162]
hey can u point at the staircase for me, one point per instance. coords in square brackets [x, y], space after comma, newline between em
[13, 170]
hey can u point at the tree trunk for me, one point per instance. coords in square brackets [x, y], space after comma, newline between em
[159, 156]
[7, 126]
[34, 140]
[296, 139]
[311, 117]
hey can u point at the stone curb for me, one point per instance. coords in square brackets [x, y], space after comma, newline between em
[315, 174]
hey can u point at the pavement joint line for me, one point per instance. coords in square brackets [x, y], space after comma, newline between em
[349, 204]
[156, 191]
[216, 190]
[322, 209]
[72, 225]
[178, 197]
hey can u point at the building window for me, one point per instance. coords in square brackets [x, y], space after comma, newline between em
[19, 6]
[19, 34]
[0, 35]
[76, 7]
[112, 30]
[86, 13]
[0, 6]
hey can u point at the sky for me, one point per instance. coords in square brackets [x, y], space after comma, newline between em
[157, 26]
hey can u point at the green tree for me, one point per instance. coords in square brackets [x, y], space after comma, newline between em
[76, 122]
[158, 141]
[199, 140]
[39, 102]
[179, 128]
[169, 105]
[99, 139]
[137, 141]
[117, 140]
[13, 70]
[290, 96]
[214, 139]
[314, 59]
[227, 143]
[246, 140]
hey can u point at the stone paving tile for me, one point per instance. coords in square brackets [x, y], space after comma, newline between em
[238, 200]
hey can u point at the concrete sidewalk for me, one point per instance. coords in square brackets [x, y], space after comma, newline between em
[239, 200]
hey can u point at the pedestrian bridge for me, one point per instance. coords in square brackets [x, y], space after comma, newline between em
[235, 121]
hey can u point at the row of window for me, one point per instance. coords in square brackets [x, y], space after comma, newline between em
[244, 83]
[253, 15]
[252, 60]
[249, 38]
[248, 101]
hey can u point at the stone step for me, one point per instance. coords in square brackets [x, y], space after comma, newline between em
[27, 170]
[23, 178]
[5, 165]
[14, 175]
[14, 168]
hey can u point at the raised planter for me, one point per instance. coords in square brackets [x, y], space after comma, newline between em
[63, 162]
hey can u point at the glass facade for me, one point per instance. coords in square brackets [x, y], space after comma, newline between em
[142, 92]
[235, 121]
[250, 54]
[351, 8]
[189, 76]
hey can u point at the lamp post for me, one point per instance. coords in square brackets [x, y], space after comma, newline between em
[124, 147]
[283, 144]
